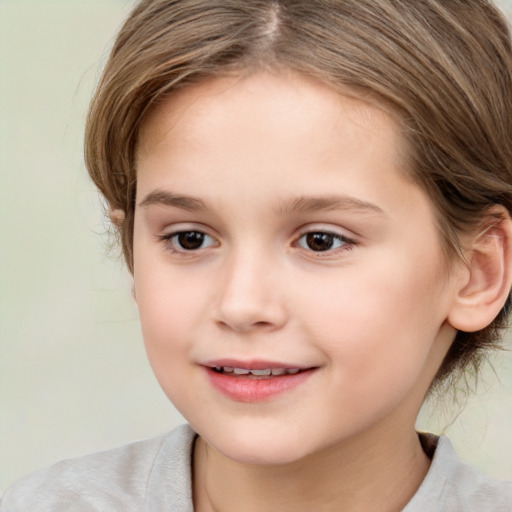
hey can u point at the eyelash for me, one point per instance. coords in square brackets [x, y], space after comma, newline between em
[172, 243]
[346, 242]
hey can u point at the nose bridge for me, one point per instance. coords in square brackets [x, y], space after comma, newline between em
[250, 294]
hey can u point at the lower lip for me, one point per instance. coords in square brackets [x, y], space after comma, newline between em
[245, 389]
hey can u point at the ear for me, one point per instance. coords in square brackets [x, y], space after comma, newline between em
[117, 217]
[487, 278]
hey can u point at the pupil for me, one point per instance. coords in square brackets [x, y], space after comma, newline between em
[319, 241]
[191, 240]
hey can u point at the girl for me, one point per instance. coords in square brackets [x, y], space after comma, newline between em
[314, 200]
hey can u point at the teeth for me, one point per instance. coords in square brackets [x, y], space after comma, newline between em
[268, 371]
[258, 373]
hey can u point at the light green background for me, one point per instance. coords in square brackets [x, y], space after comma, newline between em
[73, 373]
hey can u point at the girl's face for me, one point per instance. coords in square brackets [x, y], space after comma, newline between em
[276, 232]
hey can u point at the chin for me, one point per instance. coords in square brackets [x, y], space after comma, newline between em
[270, 455]
[258, 446]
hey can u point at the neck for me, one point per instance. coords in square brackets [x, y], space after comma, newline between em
[360, 475]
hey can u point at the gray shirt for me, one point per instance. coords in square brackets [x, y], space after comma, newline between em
[155, 476]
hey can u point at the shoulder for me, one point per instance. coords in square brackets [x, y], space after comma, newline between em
[482, 493]
[116, 479]
[453, 485]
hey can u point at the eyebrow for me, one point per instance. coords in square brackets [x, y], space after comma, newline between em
[165, 198]
[301, 204]
[306, 204]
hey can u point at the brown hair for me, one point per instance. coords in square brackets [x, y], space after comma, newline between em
[442, 67]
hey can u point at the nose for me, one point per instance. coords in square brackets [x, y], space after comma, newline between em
[251, 295]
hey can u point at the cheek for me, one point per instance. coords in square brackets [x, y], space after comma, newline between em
[379, 323]
[167, 310]
[166, 293]
[168, 307]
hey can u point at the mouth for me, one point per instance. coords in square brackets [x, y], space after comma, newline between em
[256, 381]
[253, 373]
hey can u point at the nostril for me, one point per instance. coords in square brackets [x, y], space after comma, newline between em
[244, 326]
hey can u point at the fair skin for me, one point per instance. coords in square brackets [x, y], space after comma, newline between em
[276, 230]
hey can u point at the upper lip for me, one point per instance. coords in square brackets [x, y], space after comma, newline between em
[254, 364]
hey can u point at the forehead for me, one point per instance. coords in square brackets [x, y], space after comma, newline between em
[261, 104]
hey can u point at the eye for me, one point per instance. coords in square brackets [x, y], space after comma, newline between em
[186, 241]
[320, 241]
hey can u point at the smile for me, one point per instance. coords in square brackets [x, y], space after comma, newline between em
[257, 381]
[256, 373]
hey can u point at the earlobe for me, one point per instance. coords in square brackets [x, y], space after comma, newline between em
[117, 216]
[487, 279]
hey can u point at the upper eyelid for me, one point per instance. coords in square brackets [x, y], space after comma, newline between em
[337, 231]
[328, 229]
[170, 231]
[183, 227]
[326, 232]
[175, 232]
